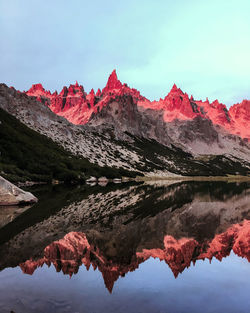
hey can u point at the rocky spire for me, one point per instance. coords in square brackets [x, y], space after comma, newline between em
[92, 92]
[36, 87]
[113, 82]
[98, 93]
[174, 88]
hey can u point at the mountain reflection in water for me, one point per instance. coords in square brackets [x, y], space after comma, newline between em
[117, 228]
[74, 250]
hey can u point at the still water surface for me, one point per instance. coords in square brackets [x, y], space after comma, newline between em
[179, 247]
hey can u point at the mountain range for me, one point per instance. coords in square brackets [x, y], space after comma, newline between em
[79, 107]
[118, 128]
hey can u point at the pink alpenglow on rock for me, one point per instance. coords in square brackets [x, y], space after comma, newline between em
[74, 250]
[113, 83]
[77, 106]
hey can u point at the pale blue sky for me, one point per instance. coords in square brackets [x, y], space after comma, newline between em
[203, 46]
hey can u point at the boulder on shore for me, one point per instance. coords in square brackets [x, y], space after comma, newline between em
[12, 195]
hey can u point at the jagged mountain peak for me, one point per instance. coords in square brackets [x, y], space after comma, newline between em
[92, 92]
[37, 90]
[37, 87]
[243, 106]
[98, 93]
[175, 89]
[112, 83]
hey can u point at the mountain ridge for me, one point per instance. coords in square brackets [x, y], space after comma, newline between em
[77, 106]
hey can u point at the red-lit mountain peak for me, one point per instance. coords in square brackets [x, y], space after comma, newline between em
[175, 90]
[91, 97]
[98, 93]
[37, 90]
[92, 92]
[241, 109]
[76, 90]
[113, 83]
[177, 105]
[240, 113]
[76, 105]
[36, 87]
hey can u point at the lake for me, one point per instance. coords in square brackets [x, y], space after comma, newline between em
[166, 246]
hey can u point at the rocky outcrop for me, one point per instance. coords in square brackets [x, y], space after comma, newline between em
[76, 105]
[12, 195]
[121, 116]
[240, 114]
[177, 105]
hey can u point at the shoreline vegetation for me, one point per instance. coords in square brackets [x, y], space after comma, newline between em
[8, 190]
[231, 178]
[104, 181]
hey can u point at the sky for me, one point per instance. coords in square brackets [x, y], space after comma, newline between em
[202, 46]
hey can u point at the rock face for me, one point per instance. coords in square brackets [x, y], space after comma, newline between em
[122, 115]
[12, 195]
[77, 106]
[240, 113]
[177, 105]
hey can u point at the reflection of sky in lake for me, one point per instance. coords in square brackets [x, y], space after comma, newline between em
[216, 287]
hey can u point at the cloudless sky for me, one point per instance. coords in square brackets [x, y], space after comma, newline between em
[202, 46]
